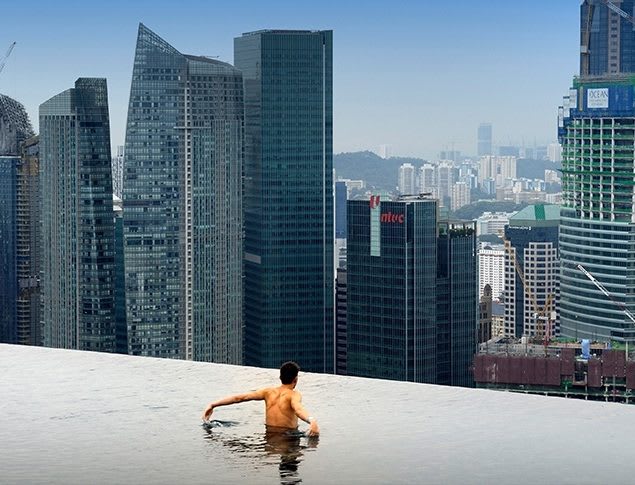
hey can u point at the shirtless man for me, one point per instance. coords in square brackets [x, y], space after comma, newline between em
[283, 403]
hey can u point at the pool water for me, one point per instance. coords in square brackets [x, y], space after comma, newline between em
[80, 417]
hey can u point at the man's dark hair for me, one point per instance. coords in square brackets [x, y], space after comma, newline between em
[288, 372]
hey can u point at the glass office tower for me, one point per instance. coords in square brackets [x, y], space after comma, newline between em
[412, 292]
[8, 236]
[289, 294]
[182, 212]
[77, 223]
[607, 37]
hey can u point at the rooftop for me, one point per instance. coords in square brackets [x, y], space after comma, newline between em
[80, 417]
[538, 215]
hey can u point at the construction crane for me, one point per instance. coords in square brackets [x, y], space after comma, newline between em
[3, 61]
[541, 313]
[601, 287]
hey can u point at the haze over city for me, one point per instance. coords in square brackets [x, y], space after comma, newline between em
[419, 76]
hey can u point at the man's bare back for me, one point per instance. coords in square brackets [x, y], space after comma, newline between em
[283, 403]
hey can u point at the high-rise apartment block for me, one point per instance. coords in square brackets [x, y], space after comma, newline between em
[596, 127]
[289, 283]
[491, 270]
[77, 224]
[460, 195]
[484, 140]
[407, 179]
[411, 292]
[182, 213]
[531, 305]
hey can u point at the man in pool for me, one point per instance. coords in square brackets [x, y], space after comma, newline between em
[283, 403]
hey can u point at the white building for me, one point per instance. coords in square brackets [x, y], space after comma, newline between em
[497, 168]
[460, 195]
[427, 178]
[384, 151]
[552, 177]
[407, 179]
[492, 222]
[491, 269]
[554, 152]
[445, 179]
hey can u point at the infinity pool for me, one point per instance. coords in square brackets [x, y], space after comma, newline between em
[79, 417]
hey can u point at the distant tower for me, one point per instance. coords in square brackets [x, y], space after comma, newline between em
[117, 172]
[484, 139]
[384, 151]
[427, 178]
[77, 219]
[460, 195]
[533, 235]
[407, 179]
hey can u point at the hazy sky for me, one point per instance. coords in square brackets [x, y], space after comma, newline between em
[418, 75]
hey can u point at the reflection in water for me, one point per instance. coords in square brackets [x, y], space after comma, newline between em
[289, 445]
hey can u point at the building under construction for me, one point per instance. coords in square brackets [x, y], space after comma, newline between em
[591, 371]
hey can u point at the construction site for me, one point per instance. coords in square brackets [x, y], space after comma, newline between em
[583, 370]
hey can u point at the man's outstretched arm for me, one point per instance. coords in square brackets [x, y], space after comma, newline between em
[258, 395]
[303, 414]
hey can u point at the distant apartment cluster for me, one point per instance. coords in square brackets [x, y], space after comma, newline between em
[458, 180]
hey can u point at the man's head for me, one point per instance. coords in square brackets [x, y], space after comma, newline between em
[289, 372]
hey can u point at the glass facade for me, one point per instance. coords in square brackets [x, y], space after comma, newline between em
[412, 293]
[8, 264]
[182, 199]
[29, 244]
[457, 302]
[607, 38]
[289, 287]
[77, 222]
[341, 195]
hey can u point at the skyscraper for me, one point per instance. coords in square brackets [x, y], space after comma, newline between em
[596, 129]
[407, 179]
[15, 127]
[607, 38]
[182, 213]
[484, 140]
[533, 236]
[412, 292]
[117, 172]
[77, 222]
[8, 240]
[29, 244]
[289, 294]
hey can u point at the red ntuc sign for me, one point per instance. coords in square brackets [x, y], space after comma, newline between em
[388, 217]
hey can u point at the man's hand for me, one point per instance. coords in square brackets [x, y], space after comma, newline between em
[208, 412]
[314, 430]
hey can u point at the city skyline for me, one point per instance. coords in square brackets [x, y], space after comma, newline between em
[446, 62]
